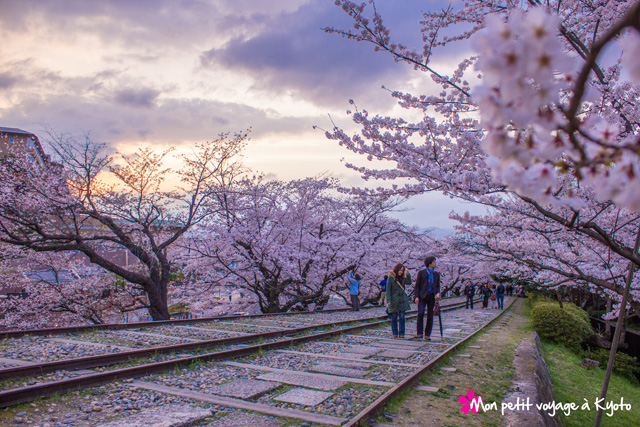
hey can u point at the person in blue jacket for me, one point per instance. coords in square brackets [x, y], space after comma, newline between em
[383, 290]
[354, 290]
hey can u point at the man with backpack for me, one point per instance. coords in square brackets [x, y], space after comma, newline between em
[500, 296]
[383, 291]
[485, 296]
[469, 292]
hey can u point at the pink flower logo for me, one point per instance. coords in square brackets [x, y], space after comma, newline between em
[470, 402]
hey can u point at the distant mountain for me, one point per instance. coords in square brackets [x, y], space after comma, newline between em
[441, 232]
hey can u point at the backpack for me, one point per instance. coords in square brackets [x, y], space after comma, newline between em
[501, 288]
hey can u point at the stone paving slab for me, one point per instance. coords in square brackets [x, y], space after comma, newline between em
[303, 396]
[309, 374]
[400, 344]
[264, 326]
[338, 358]
[211, 330]
[361, 349]
[240, 404]
[244, 389]
[162, 416]
[16, 362]
[427, 388]
[304, 381]
[242, 419]
[338, 370]
[349, 364]
[397, 354]
[162, 336]
[347, 355]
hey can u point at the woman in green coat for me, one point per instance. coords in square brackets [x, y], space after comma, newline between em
[398, 282]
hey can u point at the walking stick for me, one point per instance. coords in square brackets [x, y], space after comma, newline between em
[440, 319]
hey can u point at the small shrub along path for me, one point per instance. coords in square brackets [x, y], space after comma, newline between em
[487, 365]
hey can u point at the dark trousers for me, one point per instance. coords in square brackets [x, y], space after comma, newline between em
[469, 301]
[485, 301]
[355, 302]
[427, 303]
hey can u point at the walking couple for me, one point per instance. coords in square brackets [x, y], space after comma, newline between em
[426, 292]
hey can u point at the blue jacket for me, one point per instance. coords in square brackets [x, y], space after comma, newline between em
[355, 285]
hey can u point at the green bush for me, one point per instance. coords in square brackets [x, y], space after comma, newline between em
[623, 364]
[568, 325]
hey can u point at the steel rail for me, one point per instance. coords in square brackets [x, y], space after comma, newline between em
[366, 416]
[30, 393]
[117, 326]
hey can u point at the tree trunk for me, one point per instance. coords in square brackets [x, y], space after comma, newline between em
[158, 308]
[559, 298]
[607, 323]
[617, 333]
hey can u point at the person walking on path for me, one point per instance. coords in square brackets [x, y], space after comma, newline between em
[469, 292]
[354, 290]
[485, 292]
[500, 296]
[493, 299]
[398, 300]
[383, 291]
[427, 292]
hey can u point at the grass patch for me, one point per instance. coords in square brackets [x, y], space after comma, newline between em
[572, 382]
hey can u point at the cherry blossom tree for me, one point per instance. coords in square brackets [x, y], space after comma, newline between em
[291, 244]
[519, 241]
[62, 290]
[547, 115]
[449, 150]
[94, 202]
[547, 106]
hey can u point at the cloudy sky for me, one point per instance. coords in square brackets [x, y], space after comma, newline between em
[171, 72]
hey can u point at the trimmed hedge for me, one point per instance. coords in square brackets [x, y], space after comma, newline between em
[568, 325]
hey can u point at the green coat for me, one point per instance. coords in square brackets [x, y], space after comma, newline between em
[397, 297]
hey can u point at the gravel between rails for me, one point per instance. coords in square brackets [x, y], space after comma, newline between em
[90, 407]
[41, 349]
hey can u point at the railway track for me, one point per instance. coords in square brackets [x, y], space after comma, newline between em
[157, 324]
[335, 359]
